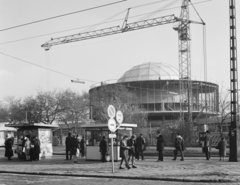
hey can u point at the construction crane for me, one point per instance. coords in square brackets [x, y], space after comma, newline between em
[183, 29]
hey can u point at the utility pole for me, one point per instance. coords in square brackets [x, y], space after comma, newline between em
[233, 83]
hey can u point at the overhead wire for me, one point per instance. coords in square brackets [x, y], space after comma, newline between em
[45, 67]
[90, 25]
[61, 15]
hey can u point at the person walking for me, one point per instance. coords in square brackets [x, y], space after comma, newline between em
[131, 143]
[8, 147]
[179, 146]
[140, 144]
[83, 147]
[27, 148]
[37, 151]
[160, 146]
[74, 146]
[123, 152]
[68, 144]
[103, 148]
[222, 145]
[207, 145]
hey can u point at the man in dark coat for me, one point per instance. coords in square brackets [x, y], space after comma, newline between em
[68, 144]
[207, 144]
[131, 143]
[160, 146]
[103, 148]
[8, 148]
[123, 152]
[83, 146]
[179, 146]
[36, 143]
[140, 144]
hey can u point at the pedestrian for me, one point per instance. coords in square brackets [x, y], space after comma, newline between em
[68, 145]
[31, 152]
[8, 147]
[103, 148]
[74, 146]
[222, 148]
[207, 145]
[78, 145]
[27, 148]
[140, 145]
[131, 143]
[160, 146]
[83, 147]
[123, 152]
[179, 146]
[37, 151]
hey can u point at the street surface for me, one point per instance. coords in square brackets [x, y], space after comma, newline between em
[56, 170]
[12, 179]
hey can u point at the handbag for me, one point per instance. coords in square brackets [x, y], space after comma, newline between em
[23, 150]
[77, 153]
[107, 157]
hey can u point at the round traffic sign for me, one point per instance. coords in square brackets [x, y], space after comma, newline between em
[111, 111]
[119, 116]
[112, 125]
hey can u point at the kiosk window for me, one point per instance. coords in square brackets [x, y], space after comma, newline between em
[89, 138]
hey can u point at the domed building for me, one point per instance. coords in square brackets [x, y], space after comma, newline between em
[157, 87]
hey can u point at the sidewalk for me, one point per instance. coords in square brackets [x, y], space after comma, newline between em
[193, 169]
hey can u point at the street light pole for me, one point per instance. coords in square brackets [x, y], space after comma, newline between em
[233, 136]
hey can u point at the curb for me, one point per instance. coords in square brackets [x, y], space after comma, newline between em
[173, 179]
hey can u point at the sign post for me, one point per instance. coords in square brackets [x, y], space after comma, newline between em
[112, 126]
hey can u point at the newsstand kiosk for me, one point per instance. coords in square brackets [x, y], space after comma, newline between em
[42, 131]
[94, 133]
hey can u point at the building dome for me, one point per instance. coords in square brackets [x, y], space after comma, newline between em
[150, 71]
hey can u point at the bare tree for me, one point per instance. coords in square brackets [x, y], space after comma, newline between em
[75, 107]
[121, 98]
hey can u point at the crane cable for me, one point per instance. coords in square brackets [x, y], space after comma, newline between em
[28, 38]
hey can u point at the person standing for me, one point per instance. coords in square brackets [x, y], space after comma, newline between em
[27, 148]
[74, 146]
[140, 144]
[131, 143]
[222, 148]
[8, 147]
[207, 145]
[68, 144]
[123, 152]
[83, 146]
[160, 146]
[103, 148]
[179, 146]
[37, 151]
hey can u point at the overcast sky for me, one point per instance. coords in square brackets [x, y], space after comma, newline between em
[105, 58]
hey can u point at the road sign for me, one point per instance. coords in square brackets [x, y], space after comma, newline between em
[111, 111]
[119, 117]
[112, 125]
[112, 135]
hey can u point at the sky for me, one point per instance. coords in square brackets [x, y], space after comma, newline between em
[105, 58]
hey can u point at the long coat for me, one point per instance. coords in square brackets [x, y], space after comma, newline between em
[222, 148]
[123, 148]
[8, 146]
[160, 143]
[208, 142]
[36, 144]
[179, 143]
[140, 141]
[103, 146]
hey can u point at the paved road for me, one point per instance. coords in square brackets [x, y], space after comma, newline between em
[11, 179]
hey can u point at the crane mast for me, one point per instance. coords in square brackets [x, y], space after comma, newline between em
[183, 29]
